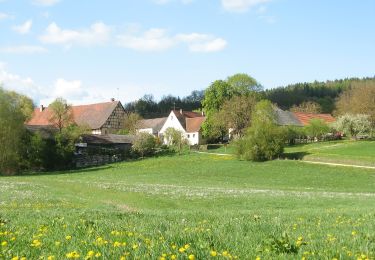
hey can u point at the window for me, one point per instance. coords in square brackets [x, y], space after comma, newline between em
[188, 136]
[171, 117]
[193, 135]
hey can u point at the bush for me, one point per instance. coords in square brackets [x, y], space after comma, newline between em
[354, 125]
[175, 139]
[144, 144]
[264, 140]
[317, 129]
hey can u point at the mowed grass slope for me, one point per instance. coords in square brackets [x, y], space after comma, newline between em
[196, 205]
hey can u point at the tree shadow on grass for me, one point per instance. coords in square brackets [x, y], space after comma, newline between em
[294, 156]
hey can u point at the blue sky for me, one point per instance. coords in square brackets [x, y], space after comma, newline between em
[91, 50]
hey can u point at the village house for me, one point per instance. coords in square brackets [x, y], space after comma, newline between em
[151, 126]
[189, 123]
[102, 118]
[287, 118]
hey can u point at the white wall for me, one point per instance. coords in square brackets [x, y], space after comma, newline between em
[173, 122]
[193, 138]
[146, 130]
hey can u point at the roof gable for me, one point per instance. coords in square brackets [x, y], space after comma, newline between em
[93, 115]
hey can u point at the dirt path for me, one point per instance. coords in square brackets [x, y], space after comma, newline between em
[219, 154]
[340, 164]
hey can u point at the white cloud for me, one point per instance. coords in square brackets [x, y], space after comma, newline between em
[97, 34]
[160, 40]
[69, 89]
[151, 40]
[46, 2]
[4, 16]
[23, 28]
[23, 49]
[241, 5]
[24, 85]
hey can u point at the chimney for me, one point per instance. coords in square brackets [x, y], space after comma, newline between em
[41, 108]
[181, 111]
[112, 99]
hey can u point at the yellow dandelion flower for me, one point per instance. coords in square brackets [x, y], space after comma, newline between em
[186, 246]
[73, 254]
[122, 258]
[181, 249]
[257, 258]
[225, 253]
[97, 255]
[4, 243]
[57, 243]
[116, 244]
[90, 254]
[213, 253]
[162, 258]
[173, 257]
[51, 257]
[354, 233]
[135, 246]
[191, 257]
[15, 258]
[36, 243]
[68, 237]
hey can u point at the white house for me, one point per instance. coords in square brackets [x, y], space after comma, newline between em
[189, 123]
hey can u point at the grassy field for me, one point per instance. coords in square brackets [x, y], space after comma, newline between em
[194, 206]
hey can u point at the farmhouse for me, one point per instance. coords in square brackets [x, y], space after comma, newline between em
[189, 123]
[287, 118]
[151, 126]
[101, 118]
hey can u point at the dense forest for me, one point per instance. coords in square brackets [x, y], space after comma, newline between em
[323, 93]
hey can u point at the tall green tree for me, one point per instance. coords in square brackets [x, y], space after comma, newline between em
[244, 84]
[61, 114]
[12, 118]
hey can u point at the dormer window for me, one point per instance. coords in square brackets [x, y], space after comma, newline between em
[171, 117]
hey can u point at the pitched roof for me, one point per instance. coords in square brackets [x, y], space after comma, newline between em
[156, 123]
[305, 118]
[194, 124]
[108, 139]
[94, 115]
[190, 121]
[286, 118]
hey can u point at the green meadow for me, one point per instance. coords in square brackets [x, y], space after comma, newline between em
[196, 206]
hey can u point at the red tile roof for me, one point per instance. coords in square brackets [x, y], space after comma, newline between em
[94, 115]
[305, 118]
[194, 124]
[190, 121]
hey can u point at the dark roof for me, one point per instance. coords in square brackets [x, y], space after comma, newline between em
[108, 139]
[156, 123]
[286, 118]
[93, 116]
[46, 132]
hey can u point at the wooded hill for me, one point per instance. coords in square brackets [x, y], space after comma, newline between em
[324, 93]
